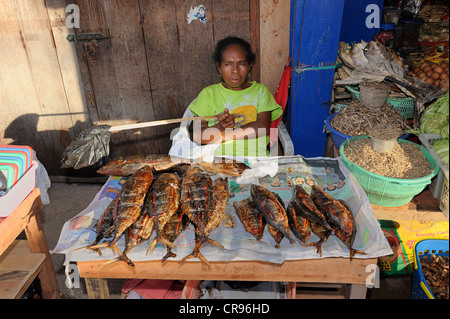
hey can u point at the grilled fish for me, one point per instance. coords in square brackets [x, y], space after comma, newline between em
[276, 235]
[323, 233]
[233, 169]
[339, 215]
[134, 235]
[105, 226]
[220, 196]
[298, 224]
[304, 205]
[272, 209]
[130, 203]
[160, 162]
[196, 203]
[129, 165]
[162, 202]
[251, 218]
[176, 225]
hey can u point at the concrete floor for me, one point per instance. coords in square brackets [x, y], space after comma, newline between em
[69, 199]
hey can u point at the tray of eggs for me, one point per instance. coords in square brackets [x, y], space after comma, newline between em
[432, 73]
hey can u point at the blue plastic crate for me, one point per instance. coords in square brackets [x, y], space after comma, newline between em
[423, 250]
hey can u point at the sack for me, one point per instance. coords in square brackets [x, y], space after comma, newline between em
[401, 236]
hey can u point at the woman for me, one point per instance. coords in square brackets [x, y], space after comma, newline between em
[245, 109]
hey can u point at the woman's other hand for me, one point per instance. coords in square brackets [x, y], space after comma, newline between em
[226, 119]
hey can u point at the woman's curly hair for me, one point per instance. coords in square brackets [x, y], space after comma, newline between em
[224, 43]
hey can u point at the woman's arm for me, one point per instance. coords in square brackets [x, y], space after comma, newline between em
[224, 130]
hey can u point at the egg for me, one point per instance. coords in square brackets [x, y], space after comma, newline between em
[446, 69]
[436, 83]
[424, 64]
[444, 64]
[429, 81]
[444, 76]
[427, 69]
[415, 70]
[421, 74]
[438, 69]
[435, 76]
[429, 73]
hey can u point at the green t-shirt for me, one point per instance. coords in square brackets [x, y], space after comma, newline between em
[246, 104]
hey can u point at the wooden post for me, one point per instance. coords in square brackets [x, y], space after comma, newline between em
[315, 30]
[38, 244]
[97, 288]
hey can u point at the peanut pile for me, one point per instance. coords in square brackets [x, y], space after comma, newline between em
[405, 161]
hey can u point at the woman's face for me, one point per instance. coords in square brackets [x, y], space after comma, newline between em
[234, 68]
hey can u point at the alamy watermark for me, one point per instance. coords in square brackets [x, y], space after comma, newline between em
[254, 146]
[73, 18]
[373, 278]
[373, 19]
[72, 276]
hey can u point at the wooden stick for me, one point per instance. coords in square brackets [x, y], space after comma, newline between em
[157, 123]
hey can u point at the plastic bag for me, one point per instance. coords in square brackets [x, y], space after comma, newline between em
[413, 6]
[88, 148]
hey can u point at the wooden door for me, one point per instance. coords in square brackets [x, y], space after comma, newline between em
[41, 104]
[151, 65]
[153, 62]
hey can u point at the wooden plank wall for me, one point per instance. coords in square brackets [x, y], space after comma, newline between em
[36, 109]
[151, 67]
[274, 40]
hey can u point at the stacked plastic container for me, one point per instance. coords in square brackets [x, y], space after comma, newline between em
[17, 176]
[14, 162]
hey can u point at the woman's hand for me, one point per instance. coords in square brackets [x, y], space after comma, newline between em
[219, 133]
[226, 119]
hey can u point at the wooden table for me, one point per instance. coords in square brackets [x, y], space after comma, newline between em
[322, 271]
[325, 270]
[423, 207]
[18, 265]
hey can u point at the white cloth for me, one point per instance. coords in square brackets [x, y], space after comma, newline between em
[183, 147]
[42, 181]
[259, 167]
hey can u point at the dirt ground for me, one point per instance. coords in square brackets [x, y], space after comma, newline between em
[69, 199]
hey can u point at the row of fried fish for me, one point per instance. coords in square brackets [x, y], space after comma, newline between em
[166, 206]
[163, 207]
[317, 212]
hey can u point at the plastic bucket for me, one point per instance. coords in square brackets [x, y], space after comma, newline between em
[373, 97]
[382, 145]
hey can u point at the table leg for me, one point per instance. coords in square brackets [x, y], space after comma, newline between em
[97, 288]
[357, 291]
[38, 244]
